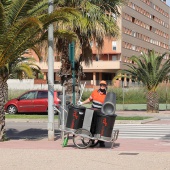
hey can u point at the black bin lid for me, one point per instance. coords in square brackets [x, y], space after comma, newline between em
[77, 107]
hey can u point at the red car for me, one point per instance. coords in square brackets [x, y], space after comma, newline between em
[31, 101]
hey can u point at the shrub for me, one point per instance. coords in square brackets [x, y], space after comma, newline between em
[133, 96]
[164, 93]
[86, 94]
[15, 93]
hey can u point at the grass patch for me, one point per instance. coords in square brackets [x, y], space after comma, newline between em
[132, 117]
[23, 116]
[19, 116]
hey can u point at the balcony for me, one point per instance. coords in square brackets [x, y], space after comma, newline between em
[100, 66]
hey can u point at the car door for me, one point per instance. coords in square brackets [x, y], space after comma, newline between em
[26, 102]
[41, 102]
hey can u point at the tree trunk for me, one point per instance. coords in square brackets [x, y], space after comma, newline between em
[3, 86]
[152, 102]
[66, 71]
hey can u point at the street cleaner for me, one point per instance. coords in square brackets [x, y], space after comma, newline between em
[97, 98]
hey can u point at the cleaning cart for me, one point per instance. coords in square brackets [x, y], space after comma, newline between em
[88, 125]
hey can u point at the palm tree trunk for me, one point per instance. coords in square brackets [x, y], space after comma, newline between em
[152, 102]
[2, 112]
[66, 72]
[5, 90]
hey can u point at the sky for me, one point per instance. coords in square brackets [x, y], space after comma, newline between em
[168, 2]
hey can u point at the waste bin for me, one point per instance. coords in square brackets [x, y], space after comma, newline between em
[75, 117]
[103, 125]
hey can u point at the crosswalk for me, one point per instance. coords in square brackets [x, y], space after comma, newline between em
[146, 131]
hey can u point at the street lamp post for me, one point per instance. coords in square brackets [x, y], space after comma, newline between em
[50, 76]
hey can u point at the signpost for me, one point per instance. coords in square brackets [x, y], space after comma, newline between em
[71, 58]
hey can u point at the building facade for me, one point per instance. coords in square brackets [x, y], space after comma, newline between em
[144, 25]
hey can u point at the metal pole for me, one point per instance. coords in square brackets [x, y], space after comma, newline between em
[166, 95]
[50, 77]
[71, 51]
[63, 114]
[123, 95]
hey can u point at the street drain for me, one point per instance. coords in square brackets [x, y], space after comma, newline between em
[127, 153]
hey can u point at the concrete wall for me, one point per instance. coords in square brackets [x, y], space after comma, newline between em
[28, 84]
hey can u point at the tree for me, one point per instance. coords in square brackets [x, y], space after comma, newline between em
[151, 70]
[24, 24]
[21, 68]
[98, 21]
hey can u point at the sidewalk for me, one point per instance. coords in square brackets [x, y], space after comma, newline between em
[164, 114]
[131, 145]
[127, 154]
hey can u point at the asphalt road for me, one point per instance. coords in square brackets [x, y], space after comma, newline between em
[38, 130]
[28, 130]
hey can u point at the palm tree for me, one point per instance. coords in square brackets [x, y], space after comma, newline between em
[21, 68]
[151, 70]
[97, 22]
[23, 24]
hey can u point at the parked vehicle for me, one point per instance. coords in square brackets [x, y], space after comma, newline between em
[32, 101]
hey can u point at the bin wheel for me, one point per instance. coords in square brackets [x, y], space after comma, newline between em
[80, 140]
[94, 143]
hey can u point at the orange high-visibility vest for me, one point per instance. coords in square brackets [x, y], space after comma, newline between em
[97, 98]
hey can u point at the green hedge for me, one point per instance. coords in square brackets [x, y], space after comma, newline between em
[15, 93]
[133, 96]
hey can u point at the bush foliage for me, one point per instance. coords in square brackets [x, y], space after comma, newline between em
[131, 95]
[134, 95]
[15, 93]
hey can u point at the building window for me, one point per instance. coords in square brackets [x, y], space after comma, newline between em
[97, 57]
[114, 57]
[133, 47]
[133, 33]
[133, 19]
[114, 45]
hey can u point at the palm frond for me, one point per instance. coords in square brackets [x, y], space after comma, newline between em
[38, 8]
[19, 9]
[149, 68]
[2, 17]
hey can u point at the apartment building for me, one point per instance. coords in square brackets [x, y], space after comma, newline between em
[144, 25]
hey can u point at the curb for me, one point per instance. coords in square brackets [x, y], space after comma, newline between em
[149, 120]
[28, 120]
[46, 121]
[128, 122]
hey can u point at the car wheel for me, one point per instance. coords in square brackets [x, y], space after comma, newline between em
[12, 109]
